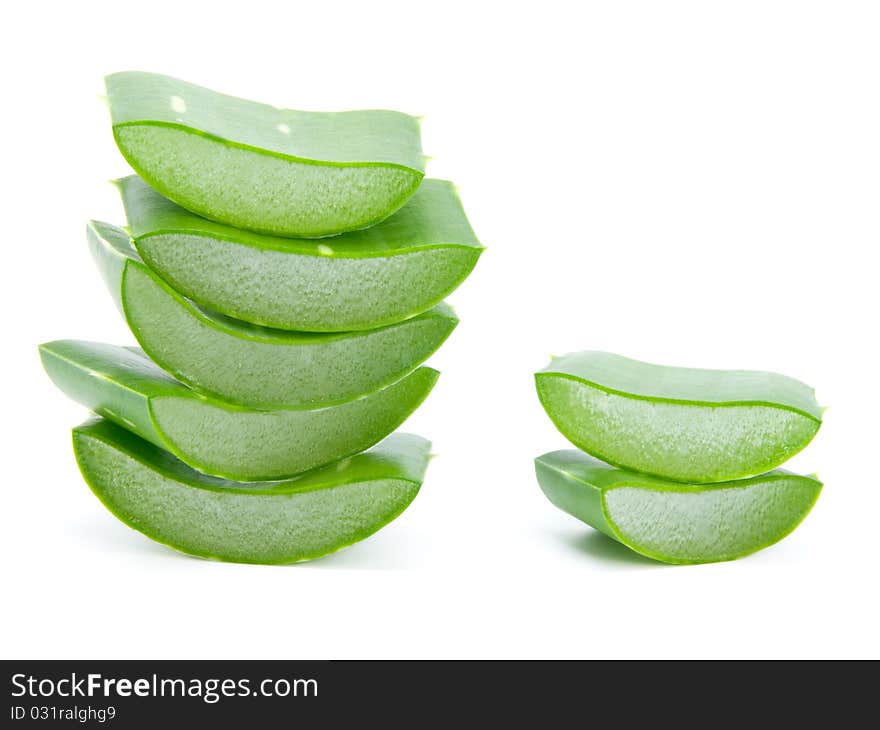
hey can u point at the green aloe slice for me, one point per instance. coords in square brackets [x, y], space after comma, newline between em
[249, 522]
[674, 522]
[356, 281]
[249, 364]
[679, 423]
[222, 439]
[254, 166]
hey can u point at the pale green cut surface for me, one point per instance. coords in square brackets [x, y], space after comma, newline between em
[251, 522]
[254, 166]
[679, 423]
[674, 522]
[218, 438]
[360, 280]
[252, 365]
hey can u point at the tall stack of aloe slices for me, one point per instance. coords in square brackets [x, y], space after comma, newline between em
[284, 274]
[685, 454]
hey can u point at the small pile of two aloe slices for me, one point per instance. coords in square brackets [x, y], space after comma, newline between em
[685, 454]
[266, 353]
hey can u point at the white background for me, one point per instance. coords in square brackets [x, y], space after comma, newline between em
[693, 183]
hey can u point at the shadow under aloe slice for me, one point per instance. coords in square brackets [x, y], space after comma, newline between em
[287, 521]
[222, 439]
[251, 165]
[252, 365]
[674, 522]
[679, 423]
[360, 280]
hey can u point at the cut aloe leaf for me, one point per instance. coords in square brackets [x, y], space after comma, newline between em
[359, 280]
[222, 439]
[252, 365]
[679, 423]
[286, 521]
[674, 522]
[254, 166]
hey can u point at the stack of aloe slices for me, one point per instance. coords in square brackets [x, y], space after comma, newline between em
[688, 457]
[283, 273]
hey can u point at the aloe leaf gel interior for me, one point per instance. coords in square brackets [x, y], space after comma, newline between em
[251, 365]
[687, 424]
[221, 439]
[674, 522]
[254, 166]
[360, 280]
[286, 521]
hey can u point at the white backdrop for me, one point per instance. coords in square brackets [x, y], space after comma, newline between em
[693, 183]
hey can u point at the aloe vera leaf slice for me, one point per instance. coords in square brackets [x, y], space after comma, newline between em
[286, 521]
[252, 365]
[254, 166]
[680, 423]
[674, 522]
[218, 438]
[360, 280]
